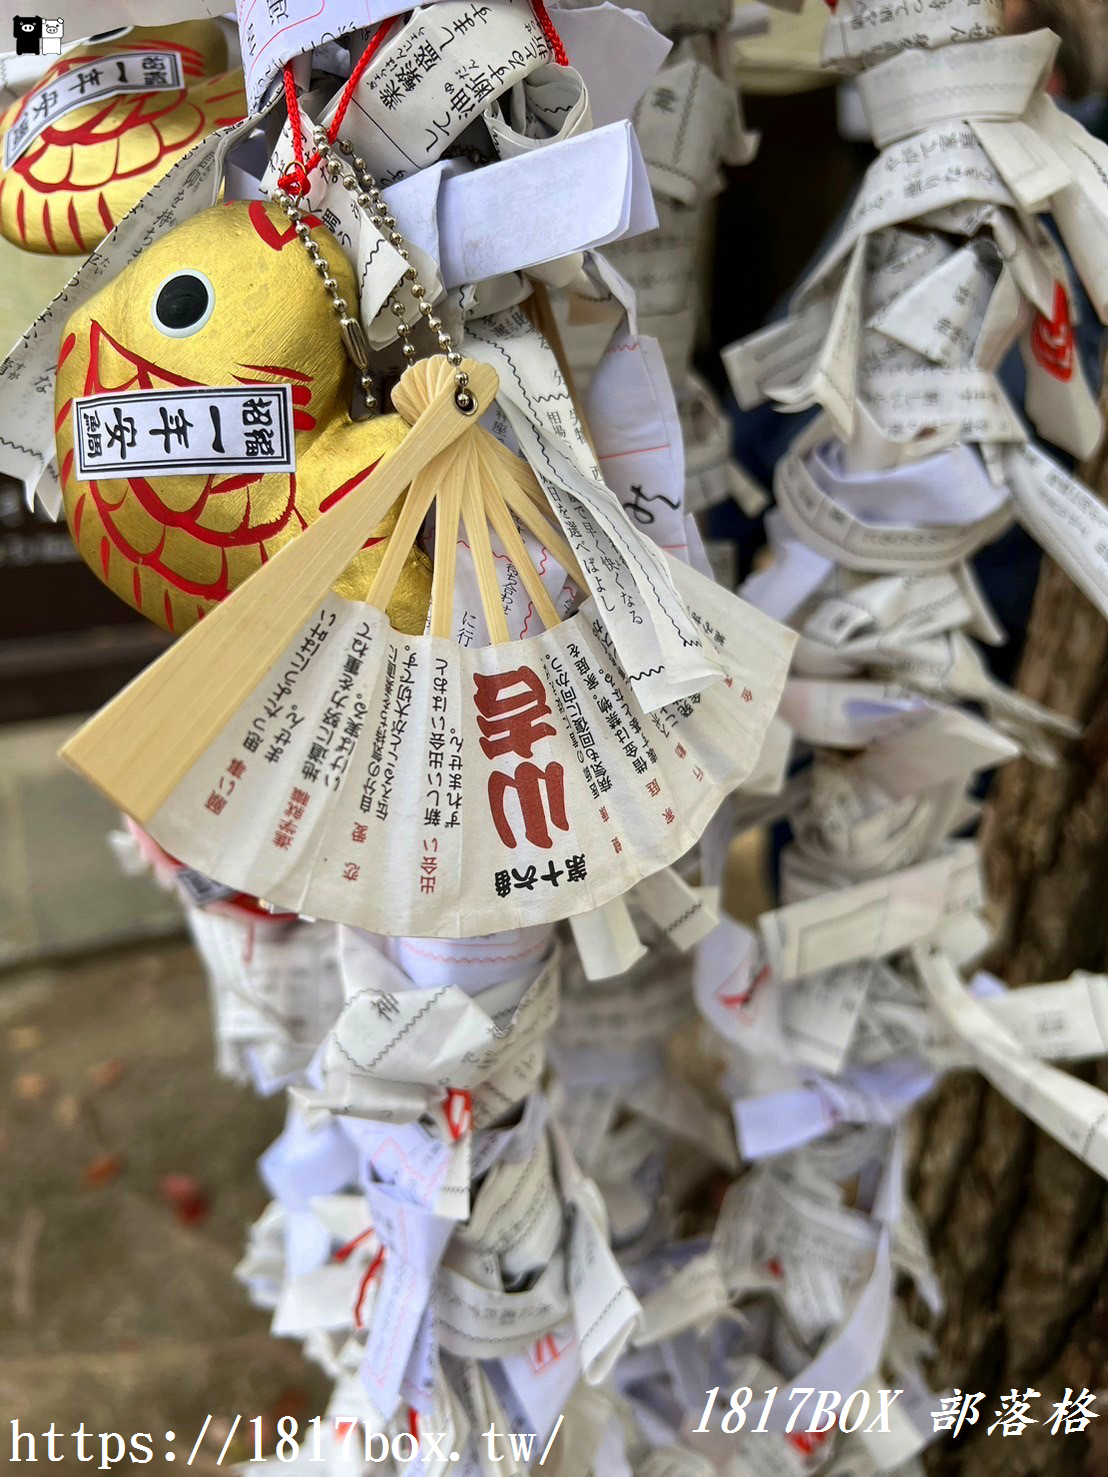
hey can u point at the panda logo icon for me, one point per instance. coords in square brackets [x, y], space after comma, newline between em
[28, 34]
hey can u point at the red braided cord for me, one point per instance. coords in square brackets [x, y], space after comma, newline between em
[344, 1252]
[378, 39]
[293, 105]
[550, 31]
[371, 1272]
[296, 180]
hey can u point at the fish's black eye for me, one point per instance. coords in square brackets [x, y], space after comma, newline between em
[183, 304]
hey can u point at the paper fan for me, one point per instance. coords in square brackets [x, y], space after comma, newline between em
[296, 746]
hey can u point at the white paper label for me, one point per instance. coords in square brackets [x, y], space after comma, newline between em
[272, 32]
[435, 77]
[174, 433]
[99, 78]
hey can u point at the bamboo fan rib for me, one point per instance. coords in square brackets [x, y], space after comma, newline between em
[474, 482]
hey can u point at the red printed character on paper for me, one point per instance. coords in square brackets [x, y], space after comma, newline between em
[1052, 341]
[217, 800]
[429, 865]
[512, 708]
[807, 1443]
[458, 1111]
[289, 824]
[549, 1350]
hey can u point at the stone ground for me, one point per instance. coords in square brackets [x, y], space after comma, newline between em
[118, 1304]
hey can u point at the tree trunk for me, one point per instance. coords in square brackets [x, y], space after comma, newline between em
[1017, 1224]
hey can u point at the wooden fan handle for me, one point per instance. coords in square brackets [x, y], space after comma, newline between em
[505, 528]
[524, 495]
[448, 512]
[480, 548]
[417, 504]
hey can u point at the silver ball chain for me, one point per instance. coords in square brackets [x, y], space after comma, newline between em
[353, 335]
[357, 179]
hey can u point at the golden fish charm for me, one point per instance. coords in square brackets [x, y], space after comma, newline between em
[72, 169]
[228, 298]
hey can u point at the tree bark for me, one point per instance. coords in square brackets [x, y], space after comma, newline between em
[1018, 1225]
